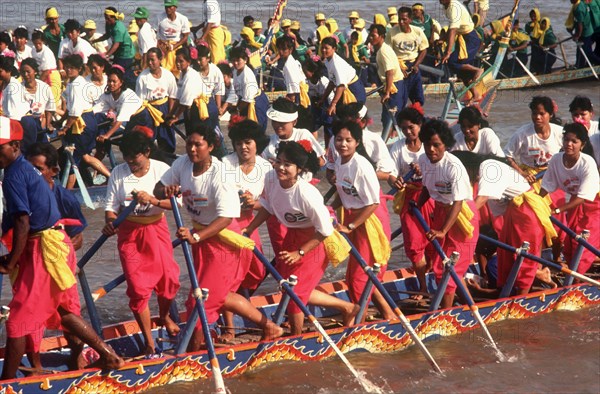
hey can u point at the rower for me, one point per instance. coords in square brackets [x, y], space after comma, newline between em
[173, 31]
[33, 214]
[146, 36]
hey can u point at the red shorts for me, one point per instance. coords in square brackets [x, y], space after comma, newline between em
[584, 217]
[255, 274]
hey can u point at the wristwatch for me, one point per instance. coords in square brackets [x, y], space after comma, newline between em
[196, 237]
[351, 226]
[556, 211]
[301, 252]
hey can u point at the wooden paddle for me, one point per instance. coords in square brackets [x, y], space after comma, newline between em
[197, 293]
[367, 386]
[82, 188]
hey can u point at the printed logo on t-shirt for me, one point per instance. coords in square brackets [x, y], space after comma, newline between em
[348, 188]
[572, 185]
[540, 158]
[294, 217]
[158, 93]
[443, 187]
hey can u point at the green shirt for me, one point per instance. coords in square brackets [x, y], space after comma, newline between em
[118, 33]
[583, 15]
[52, 41]
[426, 25]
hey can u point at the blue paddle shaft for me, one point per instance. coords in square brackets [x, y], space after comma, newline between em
[573, 235]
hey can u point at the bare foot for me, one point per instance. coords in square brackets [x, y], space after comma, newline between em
[108, 360]
[227, 337]
[349, 315]
[171, 327]
[271, 332]
[416, 297]
[544, 275]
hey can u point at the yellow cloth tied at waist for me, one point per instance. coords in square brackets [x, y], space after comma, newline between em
[464, 220]
[348, 97]
[380, 244]
[145, 219]
[79, 126]
[202, 104]
[400, 196]
[252, 108]
[55, 253]
[393, 88]
[542, 211]
[537, 185]
[230, 238]
[462, 47]
[337, 248]
[355, 54]
[155, 114]
[168, 60]
[304, 98]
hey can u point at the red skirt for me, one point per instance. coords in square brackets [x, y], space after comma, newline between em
[255, 274]
[309, 269]
[36, 296]
[520, 224]
[455, 241]
[147, 259]
[558, 198]
[415, 240]
[219, 268]
[277, 232]
[356, 278]
[584, 217]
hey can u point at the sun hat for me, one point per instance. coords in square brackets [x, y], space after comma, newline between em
[10, 130]
[141, 13]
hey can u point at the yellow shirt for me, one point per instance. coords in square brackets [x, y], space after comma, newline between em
[387, 60]
[459, 18]
[407, 45]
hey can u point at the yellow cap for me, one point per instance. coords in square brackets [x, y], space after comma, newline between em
[52, 13]
[392, 11]
[133, 27]
[89, 24]
[286, 23]
[353, 14]
[360, 24]
[319, 16]
[257, 25]
[295, 25]
[394, 19]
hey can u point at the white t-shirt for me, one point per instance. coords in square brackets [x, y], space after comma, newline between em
[125, 106]
[300, 206]
[95, 91]
[339, 71]
[212, 12]
[207, 196]
[146, 38]
[459, 17]
[229, 96]
[407, 46]
[487, 144]
[149, 88]
[82, 47]
[525, 147]
[190, 87]
[593, 128]
[20, 56]
[375, 148]
[356, 182]
[253, 182]
[404, 158]
[595, 141]
[44, 58]
[122, 183]
[78, 97]
[214, 81]
[447, 180]
[581, 180]
[245, 85]
[500, 183]
[318, 89]
[172, 30]
[270, 152]
[18, 102]
[293, 75]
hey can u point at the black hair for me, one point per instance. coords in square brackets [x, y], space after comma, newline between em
[472, 161]
[8, 64]
[203, 130]
[37, 35]
[238, 53]
[225, 69]
[410, 114]
[582, 134]
[72, 24]
[314, 66]
[113, 9]
[118, 71]
[356, 132]
[31, 63]
[6, 39]
[249, 129]
[46, 150]
[472, 115]
[75, 60]
[203, 51]
[379, 28]
[404, 9]
[295, 153]
[305, 119]
[439, 127]
[548, 105]
[354, 35]
[284, 105]
[99, 60]
[349, 111]
[581, 102]
[285, 42]
[329, 41]
[155, 51]
[247, 19]
[21, 32]
[185, 52]
[134, 142]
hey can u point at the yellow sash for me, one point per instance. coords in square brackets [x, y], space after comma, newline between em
[462, 47]
[570, 22]
[145, 219]
[537, 185]
[355, 54]
[155, 114]
[400, 196]
[348, 97]
[168, 60]
[304, 98]
[380, 244]
[79, 126]
[337, 248]
[464, 220]
[202, 104]
[541, 208]
[393, 89]
[230, 238]
[54, 254]
[252, 108]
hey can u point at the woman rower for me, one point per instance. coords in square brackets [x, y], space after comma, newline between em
[455, 221]
[582, 111]
[342, 78]
[143, 239]
[406, 153]
[358, 192]
[252, 101]
[219, 253]
[158, 87]
[476, 136]
[96, 79]
[46, 61]
[575, 172]
[299, 206]
[543, 55]
[80, 128]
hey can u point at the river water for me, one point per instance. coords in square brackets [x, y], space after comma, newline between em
[559, 352]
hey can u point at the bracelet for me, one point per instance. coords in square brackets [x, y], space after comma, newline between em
[196, 237]
[557, 211]
[158, 202]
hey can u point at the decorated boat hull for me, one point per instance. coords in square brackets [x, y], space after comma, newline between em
[373, 337]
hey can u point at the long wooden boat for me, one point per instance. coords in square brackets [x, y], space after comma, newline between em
[250, 353]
